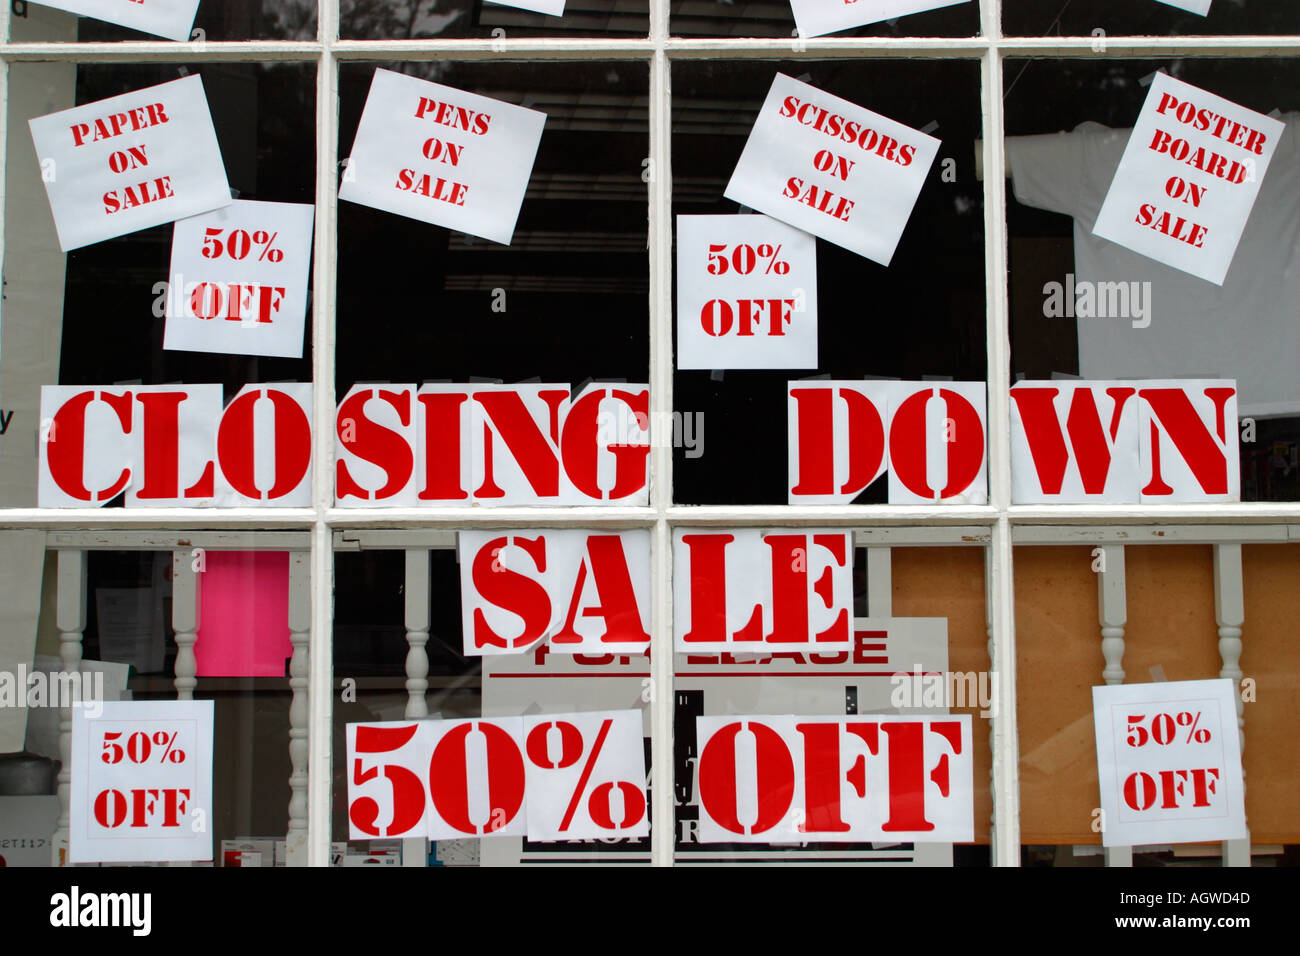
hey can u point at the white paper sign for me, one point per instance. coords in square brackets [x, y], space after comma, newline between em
[816, 18]
[746, 293]
[585, 592]
[1192, 6]
[442, 155]
[1188, 178]
[750, 590]
[832, 168]
[141, 782]
[239, 280]
[553, 7]
[162, 18]
[1169, 762]
[1074, 442]
[130, 162]
[586, 776]
[835, 779]
[1188, 441]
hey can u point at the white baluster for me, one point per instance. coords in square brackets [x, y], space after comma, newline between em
[299, 637]
[415, 850]
[185, 618]
[1230, 613]
[71, 620]
[1112, 615]
[989, 647]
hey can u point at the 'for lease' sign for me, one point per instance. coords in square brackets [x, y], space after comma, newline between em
[832, 168]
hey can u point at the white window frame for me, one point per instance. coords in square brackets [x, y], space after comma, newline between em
[995, 526]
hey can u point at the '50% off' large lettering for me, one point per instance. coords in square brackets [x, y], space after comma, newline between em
[551, 777]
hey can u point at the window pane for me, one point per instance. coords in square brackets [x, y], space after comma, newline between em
[1147, 18]
[227, 20]
[456, 19]
[774, 18]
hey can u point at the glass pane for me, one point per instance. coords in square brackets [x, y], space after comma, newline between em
[456, 19]
[96, 315]
[227, 20]
[1101, 18]
[918, 654]
[774, 18]
[873, 321]
[150, 625]
[1130, 316]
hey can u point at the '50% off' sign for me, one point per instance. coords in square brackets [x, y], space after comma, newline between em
[141, 782]
[1169, 762]
[239, 280]
[746, 293]
[551, 777]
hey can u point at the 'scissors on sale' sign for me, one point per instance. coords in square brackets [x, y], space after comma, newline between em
[832, 168]
[1169, 762]
[130, 162]
[816, 18]
[1188, 178]
[746, 293]
[442, 155]
[238, 280]
[163, 18]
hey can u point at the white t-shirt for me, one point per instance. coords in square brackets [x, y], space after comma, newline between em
[1248, 329]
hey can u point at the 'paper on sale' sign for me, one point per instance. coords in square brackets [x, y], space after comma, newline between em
[238, 280]
[163, 18]
[130, 162]
[746, 293]
[817, 18]
[1169, 762]
[832, 168]
[1188, 178]
[442, 155]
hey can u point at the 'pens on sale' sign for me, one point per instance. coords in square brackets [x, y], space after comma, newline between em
[1169, 762]
[746, 293]
[239, 280]
[817, 18]
[130, 162]
[162, 18]
[835, 779]
[442, 155]
[1188, 179]
[141, 782]
[832, 168]
[552, 777]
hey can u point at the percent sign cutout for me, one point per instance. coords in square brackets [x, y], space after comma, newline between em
[239, 243]
[139, 747]
[743, 258]
[1164, 729]
[572, 777]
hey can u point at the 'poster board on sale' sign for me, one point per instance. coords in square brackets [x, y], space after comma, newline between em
[443, 156]
[162, 18]
[832, 168]
[817, 18]
[129, 162]
[1188, 179]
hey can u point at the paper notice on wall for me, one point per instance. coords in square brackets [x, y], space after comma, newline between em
[129, 162]
[1188, 179]
[126, 628]
[1192, 6]
[832, 168]
[553, 7]
[1169, 762]
[142, 782]
[817, 18]
[442, 155]
[584, 592]
[243, 614]
[746, 293]
[238, 281]
[161, 18]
